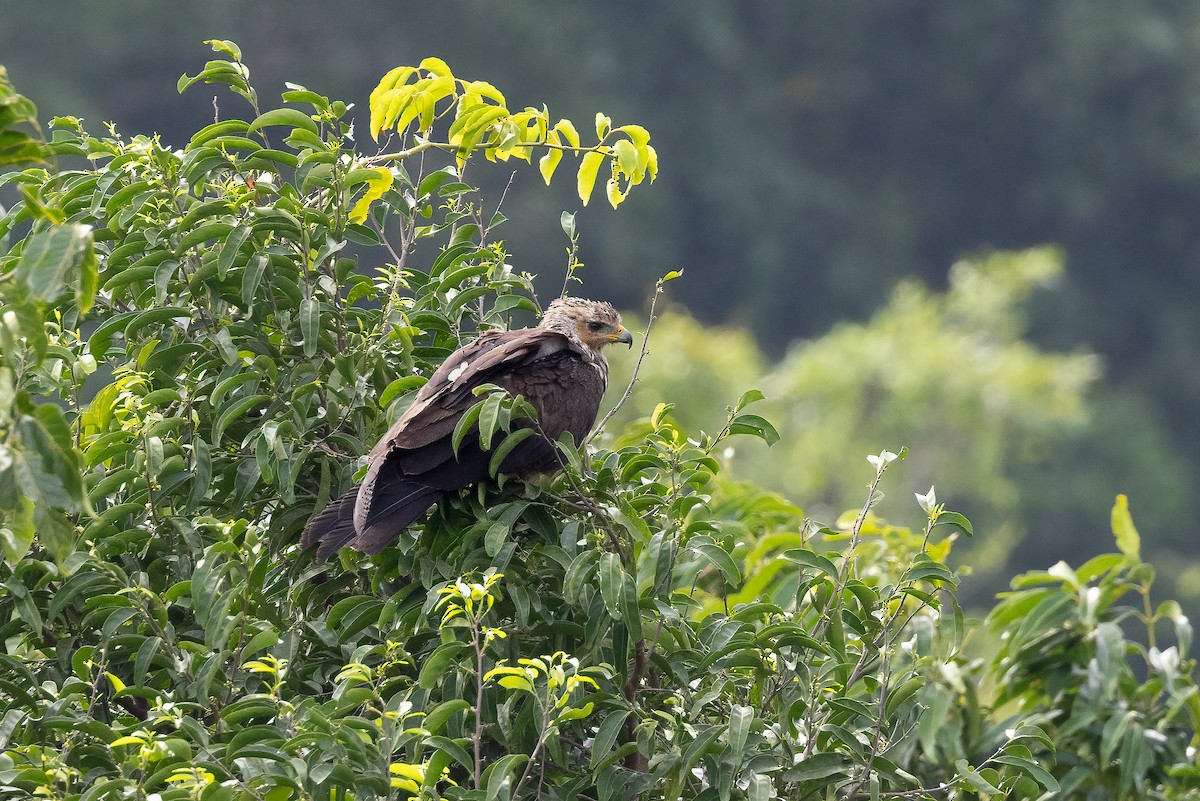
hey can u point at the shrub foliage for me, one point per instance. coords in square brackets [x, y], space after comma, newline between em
[194, 361]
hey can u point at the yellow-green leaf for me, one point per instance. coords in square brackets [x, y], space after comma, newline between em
[637, 133]
[548, 163]
[613, 191]
[627, 156]
[485, 89]
[375, 188]
[437, 67]
[567, 129]
[1128, 539]
[588, 167]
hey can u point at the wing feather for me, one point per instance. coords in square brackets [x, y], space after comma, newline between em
[414, 464]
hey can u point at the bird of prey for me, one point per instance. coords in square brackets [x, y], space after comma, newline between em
[557, 366]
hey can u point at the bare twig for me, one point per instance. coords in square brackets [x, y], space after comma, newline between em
[478, 703]
[658, 288]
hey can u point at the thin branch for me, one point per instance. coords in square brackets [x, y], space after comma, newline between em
[478, 704]
[658, 288]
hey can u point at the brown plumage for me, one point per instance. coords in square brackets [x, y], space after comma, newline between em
[557, 366]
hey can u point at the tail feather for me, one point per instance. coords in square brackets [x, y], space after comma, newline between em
[394, 506]
[333, 528]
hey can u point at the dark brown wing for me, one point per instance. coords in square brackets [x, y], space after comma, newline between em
[414, 463]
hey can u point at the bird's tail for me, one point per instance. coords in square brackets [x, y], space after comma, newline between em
[333, 528]
[393, 506]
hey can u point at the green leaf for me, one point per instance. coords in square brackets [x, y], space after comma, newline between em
[898, 695]
[498, 774]
[464, 426]
[89, 281]
[252, 277]
[229, 251]
[453, 748]
[698, 747]
[748, 397]
[567, 221]
[756, 426]
[490, 418]
[957, 520]
[719, 558]
[1031, 769]
[740, 718]
[818, 766]
[49, 258]
[310, 325]
[812, 559]
[433, 672]
[612, 579]
[1128, 540]
[17, 528]
[606, 735]
[399, 386]
[234, 410]
[506, 446]
[437, 717]
[974, 779]
[284, 116]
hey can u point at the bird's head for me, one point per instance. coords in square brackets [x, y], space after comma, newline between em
[592, 322]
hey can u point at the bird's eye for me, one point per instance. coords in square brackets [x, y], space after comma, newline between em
[595, 325]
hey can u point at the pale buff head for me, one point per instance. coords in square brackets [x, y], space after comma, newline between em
[594, 323]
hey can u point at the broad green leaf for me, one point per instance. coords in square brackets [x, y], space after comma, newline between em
[974, 779]
[506, 446]
[89, 281]
[399, 386]
[754, 425]
[719, 558]
[252, 277]
[439, 662]
[612, 579]
[606, 736]
[50, 258]
[498, 775]
[18, 529]
[740, 718]
[310, 325]
[233, 411]
[436, 719]
[284, 116]
[957, 520]
[229, 251]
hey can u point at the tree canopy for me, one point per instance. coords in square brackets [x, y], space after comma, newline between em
[195, 360]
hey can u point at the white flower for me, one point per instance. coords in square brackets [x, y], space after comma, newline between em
[928, 501]
[882, 460]
[1166, 661]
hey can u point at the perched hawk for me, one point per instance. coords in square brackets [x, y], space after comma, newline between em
[557, 366]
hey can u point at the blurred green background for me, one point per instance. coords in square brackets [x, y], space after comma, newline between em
[836, 180]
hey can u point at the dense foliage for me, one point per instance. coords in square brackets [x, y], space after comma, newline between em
[193, 362]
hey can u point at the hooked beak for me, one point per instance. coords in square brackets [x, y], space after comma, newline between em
[623, 335]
